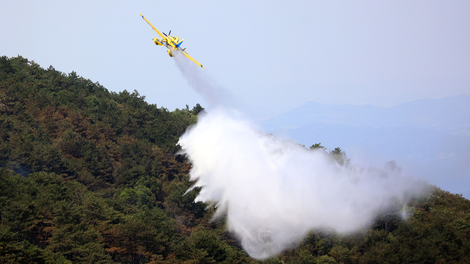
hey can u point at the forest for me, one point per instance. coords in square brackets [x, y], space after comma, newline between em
[93, 176]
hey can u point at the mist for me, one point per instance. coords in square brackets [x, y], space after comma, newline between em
[274, 191]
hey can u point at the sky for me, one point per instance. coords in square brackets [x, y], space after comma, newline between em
[272, 55]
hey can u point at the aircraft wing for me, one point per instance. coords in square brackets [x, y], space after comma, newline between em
[187, 56]
[153, 27]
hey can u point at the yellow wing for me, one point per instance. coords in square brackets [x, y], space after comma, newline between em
[187, 56]
[153, 27]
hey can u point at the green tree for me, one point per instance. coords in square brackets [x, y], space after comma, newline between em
[317, 146]
[339, 156]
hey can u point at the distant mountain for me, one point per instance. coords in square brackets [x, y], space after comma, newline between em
[450, 115]
[430, 138]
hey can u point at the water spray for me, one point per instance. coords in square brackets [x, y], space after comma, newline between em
[275, 191]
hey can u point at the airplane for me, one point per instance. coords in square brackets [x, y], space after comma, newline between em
[172, 43]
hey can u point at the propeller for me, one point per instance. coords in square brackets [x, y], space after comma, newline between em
[166, 34]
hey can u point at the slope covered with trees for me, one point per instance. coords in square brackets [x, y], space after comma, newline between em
[88, 175]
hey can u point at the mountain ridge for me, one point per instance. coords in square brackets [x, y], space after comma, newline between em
[425, 113]
[102, 183]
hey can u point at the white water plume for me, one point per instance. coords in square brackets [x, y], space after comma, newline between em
[212, 92]
[274, 191]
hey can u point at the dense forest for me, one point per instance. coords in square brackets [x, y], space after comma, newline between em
[92, 176]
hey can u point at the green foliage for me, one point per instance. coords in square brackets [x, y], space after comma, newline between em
[317, 146]
[339, 156]
[100, 174]
[12, 250]
[304, 256]
[325, 259]
[196, 109]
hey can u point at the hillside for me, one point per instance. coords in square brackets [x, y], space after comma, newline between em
[88, 175]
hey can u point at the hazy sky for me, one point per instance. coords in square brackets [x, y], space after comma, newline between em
[275, 55]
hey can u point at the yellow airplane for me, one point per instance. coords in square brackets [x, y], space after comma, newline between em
[172, 43]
